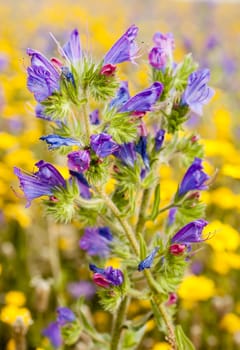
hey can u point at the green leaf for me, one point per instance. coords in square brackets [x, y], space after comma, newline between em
[123, 128]
[156, 203]
[184, 69]
[183, 342]
[71, 332]
[143, 247]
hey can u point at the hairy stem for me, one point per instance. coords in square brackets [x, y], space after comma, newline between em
[86, 121]
[116, 330]
[143, 208]
[150, 279]
[125, 225]
[167, 321]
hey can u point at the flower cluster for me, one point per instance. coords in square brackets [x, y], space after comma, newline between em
[123, 141]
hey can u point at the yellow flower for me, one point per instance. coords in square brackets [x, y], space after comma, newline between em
[222, 236]
[231, 323]
[223, 262]
[19, 213]
[11, 313]
[196, 288]
[11, 345]
[150, 325]
[161, 346]
[15, 297]
[7, 141]
[114, 262]
[231, 170]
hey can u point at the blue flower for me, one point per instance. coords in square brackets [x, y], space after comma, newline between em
[190, 233]
[103, 144]
[194, 179]
[53, 333]
[141, 148]
[111, 276]
[122, 96]
[159, 138]
[197, 93]
[125, 49]
[64, 315]
[94, 117]
[43, 78]
[40, 183]
[157, 58]
[79, 160]
[56, 141]
[126, 153]
[144, 100]
[96, 241]
[83, 185]
[72, 49]
[147, 262]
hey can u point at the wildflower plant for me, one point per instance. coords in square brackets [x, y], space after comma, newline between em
[125, 139]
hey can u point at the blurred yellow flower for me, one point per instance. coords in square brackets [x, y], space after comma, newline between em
[224, 198]
[231, 323]
[196, 288]
[222, 236]
[17, 212]
[223, 262]
[11, 313]
[7, 141]
[150, 325]
[15, 297]
[11, 345]
[231, 170]
[114, 262]
[161, 346]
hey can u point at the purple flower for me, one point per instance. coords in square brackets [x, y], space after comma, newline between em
[112, 277]
[177, 249]
[81, 288]
[197, 93]
[190, 233]
[126, 153]
[67, 74]
[194, 179]
[40, 183]
[103, 144]
[4, 61]
[125, 49]
[43, 78]
[94, 117]
[64, 315]
[122, 96]
[83, 185]
[171, 216]
[53, 333]
[56, 141]
[144, 100]
[79, 160]
[147, 262]
[72, 49]
[96, 241]
[141, 148]
[157, 58]
[159, 138]
[165, 42]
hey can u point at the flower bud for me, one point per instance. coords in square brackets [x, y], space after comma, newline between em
[177, 249]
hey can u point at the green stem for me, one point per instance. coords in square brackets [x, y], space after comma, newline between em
[86, 120]
[170, 327]
[127, 228]
[116, 331]
[172, 205]
[143, 208]
[150, 279]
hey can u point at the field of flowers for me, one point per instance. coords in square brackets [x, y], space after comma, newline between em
[42, 264]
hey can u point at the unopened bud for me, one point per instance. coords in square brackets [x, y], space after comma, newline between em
[177, 249]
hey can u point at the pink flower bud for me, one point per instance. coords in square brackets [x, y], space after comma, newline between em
[101, 281]
[108, 70]
[172, 299]
[177, 249]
